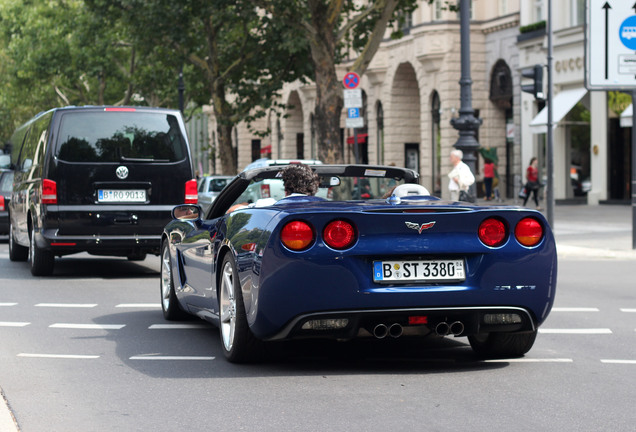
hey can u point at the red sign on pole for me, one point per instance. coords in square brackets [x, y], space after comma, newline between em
[351, 80]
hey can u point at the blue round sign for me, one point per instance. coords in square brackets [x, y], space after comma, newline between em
[351, 80]
[627, 32]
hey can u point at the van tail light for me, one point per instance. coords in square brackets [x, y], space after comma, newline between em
[265, 191]
[529, 232]
[297, 235]
[2, 203]
[49, 192]
[191, 194]
[493, 232]
[339, 234]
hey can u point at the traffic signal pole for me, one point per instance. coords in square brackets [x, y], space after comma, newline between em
[549, 205]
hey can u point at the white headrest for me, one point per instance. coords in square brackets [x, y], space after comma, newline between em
[410, 189]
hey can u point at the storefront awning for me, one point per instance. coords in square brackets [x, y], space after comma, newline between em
[626, 116]
[362, 137]
[266, 149]
[561, 106]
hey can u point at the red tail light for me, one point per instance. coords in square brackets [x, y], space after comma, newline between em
[120, 109]
[529, 232]
[339, 234]
[297, 235]
[265, 191]
[191, 194]
[49, 192]
[493, 232]
[2, 203]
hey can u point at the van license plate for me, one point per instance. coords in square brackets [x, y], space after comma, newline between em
[419, 271]
[121, 195]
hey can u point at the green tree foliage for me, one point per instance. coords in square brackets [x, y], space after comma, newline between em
[240, 56]
[336, 30]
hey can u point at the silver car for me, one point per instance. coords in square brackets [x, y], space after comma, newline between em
[209, 188]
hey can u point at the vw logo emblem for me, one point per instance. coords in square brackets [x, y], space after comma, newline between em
[122, 172]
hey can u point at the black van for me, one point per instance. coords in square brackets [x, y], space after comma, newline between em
[101, 180]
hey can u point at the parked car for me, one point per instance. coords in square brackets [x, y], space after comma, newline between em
[6, 186]
[339, 267]
[101, 180]
[265, 162]
[209, 188]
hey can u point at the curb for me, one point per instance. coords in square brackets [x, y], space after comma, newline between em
[7, 420]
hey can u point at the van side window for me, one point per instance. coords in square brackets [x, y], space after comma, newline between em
[34, 146]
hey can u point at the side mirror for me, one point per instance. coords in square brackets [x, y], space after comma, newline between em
[186, 212]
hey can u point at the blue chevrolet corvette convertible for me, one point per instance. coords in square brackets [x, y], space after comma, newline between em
[372, 254]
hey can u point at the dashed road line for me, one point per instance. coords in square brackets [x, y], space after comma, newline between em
[7, 304]
[628, 310]
[575, 309]
[88, 326]
[591, 331]
[612, 361]
[177, 326]
[59, 356]
[67, 305]
[139, 305]
[162, 357]
[531, 360]
[13, 324]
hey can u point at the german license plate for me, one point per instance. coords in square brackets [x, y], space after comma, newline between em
[121, 195]
[419, 271]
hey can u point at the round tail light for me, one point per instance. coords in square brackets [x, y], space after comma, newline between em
[492, 232]
[339, 234]
[529, 232]
[297, 235]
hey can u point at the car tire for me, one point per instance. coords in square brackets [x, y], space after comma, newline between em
[169, 302]
[41, 260]
[136, 256]
[502, 345]
[16, 251]
[237, 340]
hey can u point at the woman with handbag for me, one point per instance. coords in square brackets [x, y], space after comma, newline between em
[460, 178]
[532, 185]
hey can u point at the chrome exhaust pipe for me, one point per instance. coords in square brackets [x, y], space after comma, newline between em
[380, 331]
[442, 329]
[457, 328]
[396, 330]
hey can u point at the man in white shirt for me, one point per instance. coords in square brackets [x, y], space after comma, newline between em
[460, 177]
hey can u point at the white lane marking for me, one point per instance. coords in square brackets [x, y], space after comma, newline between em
[139, 305]
[574, 309]
[177, 326]
[158, 357]
[58, 356]
[611, 361]
[531, 360]
[13, 324]
[576, 331]
[628, 310]
[67, 305]
[88, 326]
[8, 304]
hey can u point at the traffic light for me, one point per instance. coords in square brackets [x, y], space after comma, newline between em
[536, 74]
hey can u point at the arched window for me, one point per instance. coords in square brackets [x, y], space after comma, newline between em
[380, 132]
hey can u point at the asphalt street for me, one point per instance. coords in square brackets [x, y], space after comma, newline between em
[602, 232]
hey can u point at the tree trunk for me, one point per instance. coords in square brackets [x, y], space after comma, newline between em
[329, 95]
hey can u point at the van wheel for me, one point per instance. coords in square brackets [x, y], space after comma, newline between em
[136, 256]
[16, 252]
[41, 260]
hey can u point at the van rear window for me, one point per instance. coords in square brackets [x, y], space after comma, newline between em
[120, 136]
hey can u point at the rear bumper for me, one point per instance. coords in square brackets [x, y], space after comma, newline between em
[471, 321]
[111, 245]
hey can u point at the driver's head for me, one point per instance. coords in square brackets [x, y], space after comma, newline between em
[300, 179]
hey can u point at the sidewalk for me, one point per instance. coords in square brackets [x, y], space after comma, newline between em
[594, 231]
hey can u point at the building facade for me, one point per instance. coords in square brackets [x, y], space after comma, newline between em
[411, 92]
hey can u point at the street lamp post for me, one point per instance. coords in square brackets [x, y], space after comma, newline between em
[467, 124]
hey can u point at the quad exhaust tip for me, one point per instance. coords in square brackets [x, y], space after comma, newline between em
[443, 328]
[394, 330]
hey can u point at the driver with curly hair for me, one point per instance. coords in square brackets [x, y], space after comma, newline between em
[299, 179]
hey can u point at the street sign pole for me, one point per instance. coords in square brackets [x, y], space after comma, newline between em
[610, 61]
[633, 188]
[353, 104]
